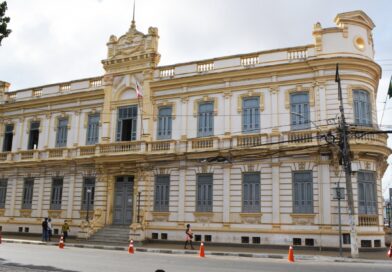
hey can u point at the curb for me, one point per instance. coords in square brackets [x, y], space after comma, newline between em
[208, 253]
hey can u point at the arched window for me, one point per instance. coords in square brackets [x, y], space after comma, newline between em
[362, 108]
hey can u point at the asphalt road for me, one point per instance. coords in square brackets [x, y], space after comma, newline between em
[34, 258]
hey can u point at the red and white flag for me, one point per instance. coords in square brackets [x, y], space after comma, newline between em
[139, 90]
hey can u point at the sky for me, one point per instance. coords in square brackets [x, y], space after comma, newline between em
[62, 40]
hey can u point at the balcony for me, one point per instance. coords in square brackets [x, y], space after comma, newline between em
[368, 220]
[288, 139]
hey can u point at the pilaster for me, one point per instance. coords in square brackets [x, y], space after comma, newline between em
[226, 193]
[275, 165]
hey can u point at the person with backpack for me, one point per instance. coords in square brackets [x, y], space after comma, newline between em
[188, 236]
[45, 230]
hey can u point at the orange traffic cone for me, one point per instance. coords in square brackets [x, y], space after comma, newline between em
[130, 248]
[390, 251]
[291, 255]
[201, 250]
[61, 243]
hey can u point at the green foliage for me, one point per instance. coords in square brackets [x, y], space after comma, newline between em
[4, 31]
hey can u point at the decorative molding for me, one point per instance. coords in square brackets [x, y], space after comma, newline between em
[352, 88]
[300, 89]
[164, 103]
[251, 218]
[251, 93]
[92, 112]
[55, 214]
[203, 217]
[25, 213]
[63, 116]
[160, 216]
[205, 98]
[303, 219]
[34, 119]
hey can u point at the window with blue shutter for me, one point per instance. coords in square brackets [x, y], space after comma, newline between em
[92, 129]
[28, 188]
[299, 111]
[126, 123]
[57, 194]
[205, 120]
[62, 132]
[8, 136]
[162, 192]
[164, 123]
[88, 193]
[204, 193]
[303, 192]
[367, 195]
[3, 192]
[251, 115]
[251, 192]
[362, 108]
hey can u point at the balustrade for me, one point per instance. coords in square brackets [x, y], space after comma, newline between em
[87, 150]
[368, 220]
[166, 72]
[248, 61]
[297, 54]
[161, 146]
[120, 147]
[205, 67]
[202, 143]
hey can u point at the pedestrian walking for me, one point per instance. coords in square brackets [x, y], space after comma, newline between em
[188, 236]
[65, 230]
[390, 251]
[45, 230]
[49, 229]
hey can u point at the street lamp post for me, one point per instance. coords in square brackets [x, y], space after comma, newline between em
[339, 195]
[88, 191]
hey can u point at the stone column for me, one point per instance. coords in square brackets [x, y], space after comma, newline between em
[226, 193]
[40, 183]
[181, 192]
[274, 91]
[20, 134]
[76, 129]
[71, 192]
[184, 116]
[322, 115]
[275, 165]
[109, 202]
[13, 183]
[324, 191]
[48, 130]
[227, 111]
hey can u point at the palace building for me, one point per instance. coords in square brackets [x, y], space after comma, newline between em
[234, 146]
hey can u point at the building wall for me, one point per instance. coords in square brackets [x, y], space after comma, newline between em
[276, 151]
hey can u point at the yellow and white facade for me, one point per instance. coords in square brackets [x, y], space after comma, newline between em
[198, 173]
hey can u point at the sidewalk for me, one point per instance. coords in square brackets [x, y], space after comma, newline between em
[214, 250]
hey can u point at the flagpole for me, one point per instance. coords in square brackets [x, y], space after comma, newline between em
[389, 94]
[141, 116]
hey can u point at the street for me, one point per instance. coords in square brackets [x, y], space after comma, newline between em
[34, 258]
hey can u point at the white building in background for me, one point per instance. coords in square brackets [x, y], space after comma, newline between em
[230, 145]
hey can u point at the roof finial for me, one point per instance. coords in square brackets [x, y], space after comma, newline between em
[133, 25]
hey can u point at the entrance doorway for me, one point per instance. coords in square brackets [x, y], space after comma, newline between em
[123, 201]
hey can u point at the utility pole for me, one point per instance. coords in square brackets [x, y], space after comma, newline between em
[345, 152]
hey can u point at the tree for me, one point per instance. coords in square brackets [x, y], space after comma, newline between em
[4, 31]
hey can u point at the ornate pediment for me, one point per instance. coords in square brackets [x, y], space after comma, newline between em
[354, 17]
[133, 49]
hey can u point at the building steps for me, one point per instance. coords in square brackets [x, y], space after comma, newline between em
[111, 234]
